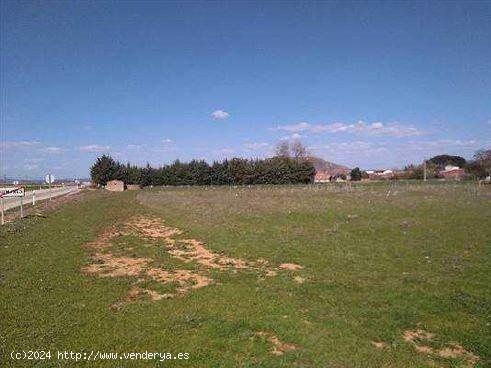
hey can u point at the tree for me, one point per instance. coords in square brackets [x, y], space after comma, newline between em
[282, 149]
[104, 170]
[483, 158]
[417, 171]
[356, 174]
[441, 161]
[147, 176]
[414, 171]
[480, 167]
[298, 150]
[237, 171]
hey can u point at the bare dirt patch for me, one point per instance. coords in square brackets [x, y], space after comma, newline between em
[417, 335]
[186, 279]
[106, 264]
[152, 228]
[136, 293]
[186, 250]
[451, 350]
[279, 347]
[379, 344]
[290, 266]
[299, 279]
[192, 250]
[109, 265]
[104, 239]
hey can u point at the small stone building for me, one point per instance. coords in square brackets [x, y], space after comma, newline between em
[321, 177]
[115, 186]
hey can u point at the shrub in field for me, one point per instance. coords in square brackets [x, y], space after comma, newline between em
[355, 174]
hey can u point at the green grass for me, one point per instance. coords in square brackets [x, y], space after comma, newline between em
[378, 260]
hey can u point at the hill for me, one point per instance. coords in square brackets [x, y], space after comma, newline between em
[328, 168]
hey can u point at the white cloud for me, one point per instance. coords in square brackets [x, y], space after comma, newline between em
[94, 148]
[394, 153]
[166, 145]
[11, 145]
[33, 160]
[445, 144]
[292, 137]
[294, 128]
[393, 129]
[256, 146]
[30, 167]
[347, 148]
[220, 115]
[224, 152]
[52, 149]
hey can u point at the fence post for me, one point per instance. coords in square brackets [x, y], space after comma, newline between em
[21, 211]
[3, 221]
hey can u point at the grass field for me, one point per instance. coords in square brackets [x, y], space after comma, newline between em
[303, 276]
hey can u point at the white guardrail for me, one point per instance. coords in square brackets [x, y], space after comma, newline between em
[11, 197]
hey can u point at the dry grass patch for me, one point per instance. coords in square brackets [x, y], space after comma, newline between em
[186, 279]
[136, 293]
[279, 347]
[106, 264]
[186, 250]
[290, 266]
[299, 279]
[451, 350]
[379, 344]
[109, 265]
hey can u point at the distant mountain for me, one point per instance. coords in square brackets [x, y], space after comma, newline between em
[328, 168]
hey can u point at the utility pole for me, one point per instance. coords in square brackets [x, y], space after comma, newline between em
[49, 182]
[3, 221]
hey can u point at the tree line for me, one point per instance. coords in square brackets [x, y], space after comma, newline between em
[235, 171]
[478, 167]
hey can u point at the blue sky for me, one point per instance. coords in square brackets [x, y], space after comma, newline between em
[369, 84]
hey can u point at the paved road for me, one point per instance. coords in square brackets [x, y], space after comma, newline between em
[40, 195]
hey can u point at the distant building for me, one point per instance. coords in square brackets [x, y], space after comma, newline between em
[452, 173]
[380, 174]
[115, 186]
[326, 171]
[322, 177]
[326, 176]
